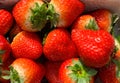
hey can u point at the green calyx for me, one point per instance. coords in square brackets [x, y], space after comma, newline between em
[52, 16]
[13, 76]
[80, 73]
[41, 14]
[92, 25]
[39, 17]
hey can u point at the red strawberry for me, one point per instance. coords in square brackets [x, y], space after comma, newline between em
[6, 21]
[30, 15]
[85, 22]
[59, 46]
[73, 71]
[5, 49]
[67, 10]
[26, 45]
[93, 46]
[110, 73]
[52, 71]
[103, 18]
[24, 70]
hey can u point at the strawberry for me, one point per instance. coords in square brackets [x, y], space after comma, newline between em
[74, 71]
[67, 10]
[52, 72]
[26, 45]
[30, 15]
[6, 21]
[24, 70]
[5, 49]
[59, 46]
[93, 46]
[85, 22]
[110, 73]
[103, 18]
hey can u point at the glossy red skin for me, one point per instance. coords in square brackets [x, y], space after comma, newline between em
[68, 11]
[103, 18]
[93, 46]
[59, 46]
[4, 45]
[26, 45]
[107, 74]
[64, 71]
[33, 72]
[52, 72]
[6, 21]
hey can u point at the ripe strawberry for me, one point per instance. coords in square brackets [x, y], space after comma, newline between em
[74, 71]
[110, 73]
[67, 10]
[24, 70]
[85, 22]
[6, 21]
[26, 45]
[59, 46]
[30, 15]
[5, 49]
[93, 46]
[103, 18]
[52, 72]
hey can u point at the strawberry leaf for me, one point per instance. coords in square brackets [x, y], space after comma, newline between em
[91, 71]
[83, 80]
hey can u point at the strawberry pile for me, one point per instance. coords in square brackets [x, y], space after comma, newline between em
[56, 41]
